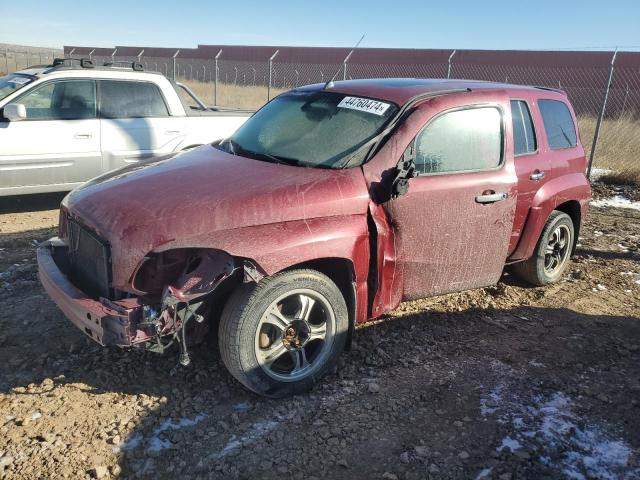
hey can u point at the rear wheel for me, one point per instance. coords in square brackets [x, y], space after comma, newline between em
[278, 337]
[552, 253]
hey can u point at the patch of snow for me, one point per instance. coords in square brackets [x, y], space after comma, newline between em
[616, 201]
[637, 282]
[533, 363]
[510, 443]
[130, 443]
[257, 430]
[155, 443]
[242, 406]
[572, 445]
[484, 473]
[598, 172]
[601, 287]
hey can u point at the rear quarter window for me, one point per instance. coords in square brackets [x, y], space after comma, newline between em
[124, 99]
[558, 124]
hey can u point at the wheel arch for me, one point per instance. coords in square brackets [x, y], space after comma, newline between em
[342, 272]
[572, 208]
[569, 194]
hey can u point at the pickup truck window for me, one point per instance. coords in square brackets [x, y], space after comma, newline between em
[12, 83]
[524, 136]
[311, 129]
[460, 140]
[122, 99]
[558, 124]
[61, 100]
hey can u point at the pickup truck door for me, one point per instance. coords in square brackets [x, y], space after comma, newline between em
[453, 227]
[135, 123]
[58, 144]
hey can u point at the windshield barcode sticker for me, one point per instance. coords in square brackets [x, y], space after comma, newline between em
[364, 105]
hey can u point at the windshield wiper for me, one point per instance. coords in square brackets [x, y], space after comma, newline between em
[261, 155]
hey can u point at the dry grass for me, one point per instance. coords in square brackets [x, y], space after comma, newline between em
[230, 95]
[618, 147]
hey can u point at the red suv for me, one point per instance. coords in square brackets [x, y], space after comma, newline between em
[328, 207]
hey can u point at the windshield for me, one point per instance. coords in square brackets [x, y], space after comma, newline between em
[12, 83]
[310, 129]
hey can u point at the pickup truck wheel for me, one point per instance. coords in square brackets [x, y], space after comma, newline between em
[278, 337]
[551, 256]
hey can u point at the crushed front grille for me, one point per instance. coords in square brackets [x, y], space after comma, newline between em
[90, 261]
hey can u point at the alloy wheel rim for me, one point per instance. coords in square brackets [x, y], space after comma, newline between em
[294, 335]
[557, 249]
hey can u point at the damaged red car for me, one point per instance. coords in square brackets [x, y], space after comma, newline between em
[328, 207]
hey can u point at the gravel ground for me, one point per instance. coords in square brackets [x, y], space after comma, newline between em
[505, 382]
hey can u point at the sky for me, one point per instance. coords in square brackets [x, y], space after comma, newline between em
[468, 24]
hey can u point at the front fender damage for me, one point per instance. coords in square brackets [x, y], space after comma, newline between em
[165, 314]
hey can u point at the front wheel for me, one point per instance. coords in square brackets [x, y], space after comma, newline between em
[278, 337]
[551, 256]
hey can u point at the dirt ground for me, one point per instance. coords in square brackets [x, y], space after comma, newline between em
[505, 382]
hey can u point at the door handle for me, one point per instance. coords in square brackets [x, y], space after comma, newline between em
[172, 132]
[491, 197]
[537, 176]
[83, 136]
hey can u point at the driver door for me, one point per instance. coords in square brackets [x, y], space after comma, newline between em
[58, 145]
[454, 225]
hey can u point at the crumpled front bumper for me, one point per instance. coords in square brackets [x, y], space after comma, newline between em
[106, 322]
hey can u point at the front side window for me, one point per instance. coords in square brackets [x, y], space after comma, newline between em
[131, 100]
[558, 124]
[12, 83]
[524, 137]
[65, 100]
[460, 140]
[311, 129]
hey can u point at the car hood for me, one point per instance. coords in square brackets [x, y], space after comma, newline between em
[205, 190]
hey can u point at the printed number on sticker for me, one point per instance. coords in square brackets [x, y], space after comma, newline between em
[364, 105]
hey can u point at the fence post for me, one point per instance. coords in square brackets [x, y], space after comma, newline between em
[215, 79]
[6, 61]
[271, 74]
[596, 135]
[174, 64]
[449, 63]
[344, 65]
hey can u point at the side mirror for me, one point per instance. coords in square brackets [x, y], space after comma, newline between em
[14, 112]
[405, 171]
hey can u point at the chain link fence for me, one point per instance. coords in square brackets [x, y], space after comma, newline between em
[12, 59]
[606, 98]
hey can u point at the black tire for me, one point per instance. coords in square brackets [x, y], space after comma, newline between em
[244, 325]
[535, 270]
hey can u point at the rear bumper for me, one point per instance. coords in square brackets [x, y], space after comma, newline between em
[104, 321]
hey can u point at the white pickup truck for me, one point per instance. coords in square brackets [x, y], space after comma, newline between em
[63, 124]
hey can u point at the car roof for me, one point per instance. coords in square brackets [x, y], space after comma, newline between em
[401, 90]
[43, 72]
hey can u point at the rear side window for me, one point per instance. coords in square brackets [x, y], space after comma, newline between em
[558, 124]
[131, 100]
[460, 140]
[524, 137]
